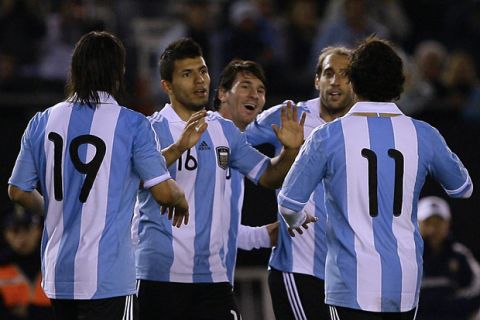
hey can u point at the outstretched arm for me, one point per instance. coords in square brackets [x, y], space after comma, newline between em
[192, 132]
[257, 237]
[290, 134]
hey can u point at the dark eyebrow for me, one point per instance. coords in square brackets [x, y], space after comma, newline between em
[248, 81]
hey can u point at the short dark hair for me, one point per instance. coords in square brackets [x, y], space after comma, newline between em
[375, 71]
[182, 48]
[229, 73]
[342, 51]
[98, 64]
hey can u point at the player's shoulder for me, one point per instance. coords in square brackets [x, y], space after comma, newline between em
[131, 116]
[157, 119]
[310, 106]
[424, 128]
[213, 116]
[41, 117]
[131, 113]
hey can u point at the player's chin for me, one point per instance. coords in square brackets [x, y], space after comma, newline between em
[198, 105]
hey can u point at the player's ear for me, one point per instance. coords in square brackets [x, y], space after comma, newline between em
[222, 95]
[317, 82]
[166, 86]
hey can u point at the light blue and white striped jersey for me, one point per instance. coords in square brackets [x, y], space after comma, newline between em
[373, 163]
[88, 162]
[305, 254]
[244, 237]
[202, 250]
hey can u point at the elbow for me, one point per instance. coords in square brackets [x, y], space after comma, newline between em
[14, 193]
[270, 183]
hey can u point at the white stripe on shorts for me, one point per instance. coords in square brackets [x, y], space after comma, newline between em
[334, 313]
[128, 311]
[293, 298]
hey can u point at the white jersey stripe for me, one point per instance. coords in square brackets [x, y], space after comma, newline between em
[220, 222]
[183, 259]
[58, 121]
[94, 210]
[368, 260]
[406, 142]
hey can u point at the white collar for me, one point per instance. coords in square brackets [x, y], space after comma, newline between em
[375, 107]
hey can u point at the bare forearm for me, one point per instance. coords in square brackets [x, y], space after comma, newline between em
[30, 200]
[171, 154]
[278, 168]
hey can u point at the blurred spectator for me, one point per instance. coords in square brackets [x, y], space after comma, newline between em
[299, 32]
[251, 36]
[8, 76]
[417, 92]
[389, 13]
[430, 58]
[352, 24]
[194, 19]
[22, 27]
[20, 277]
[463, 87]
[66, 25]
[451, 275]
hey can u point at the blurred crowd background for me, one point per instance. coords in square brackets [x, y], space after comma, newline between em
[438, 40]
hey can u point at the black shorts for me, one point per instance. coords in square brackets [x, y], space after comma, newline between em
[186, 301]
[117, 308]
[341, 313]
[297, 296]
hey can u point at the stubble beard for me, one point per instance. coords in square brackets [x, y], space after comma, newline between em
[191, 105]
[339, 109]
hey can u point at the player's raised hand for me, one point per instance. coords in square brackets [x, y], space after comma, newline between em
[290, 132]
[192, 132]
[308, 219]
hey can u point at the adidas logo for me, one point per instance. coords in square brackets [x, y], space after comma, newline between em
[203, 146]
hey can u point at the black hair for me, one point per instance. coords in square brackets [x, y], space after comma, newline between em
[182, 48]
[229, 73]
[375, 71]
[98, 64]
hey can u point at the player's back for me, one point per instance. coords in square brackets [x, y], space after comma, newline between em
[87, 158]
[376, 166]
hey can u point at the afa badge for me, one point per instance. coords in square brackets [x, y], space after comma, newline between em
[223, 157]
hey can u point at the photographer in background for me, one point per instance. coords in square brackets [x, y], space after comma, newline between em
[451, 275]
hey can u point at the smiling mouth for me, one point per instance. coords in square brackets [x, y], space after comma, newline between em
[200, 91]
[250, 107]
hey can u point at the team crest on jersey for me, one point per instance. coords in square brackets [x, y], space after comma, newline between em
[223, 157]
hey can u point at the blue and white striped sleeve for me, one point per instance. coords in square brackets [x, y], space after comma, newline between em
[147, 158]
[260, 131]
[24, 175]
[306, 173]
[448, 169]
[245, 158]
